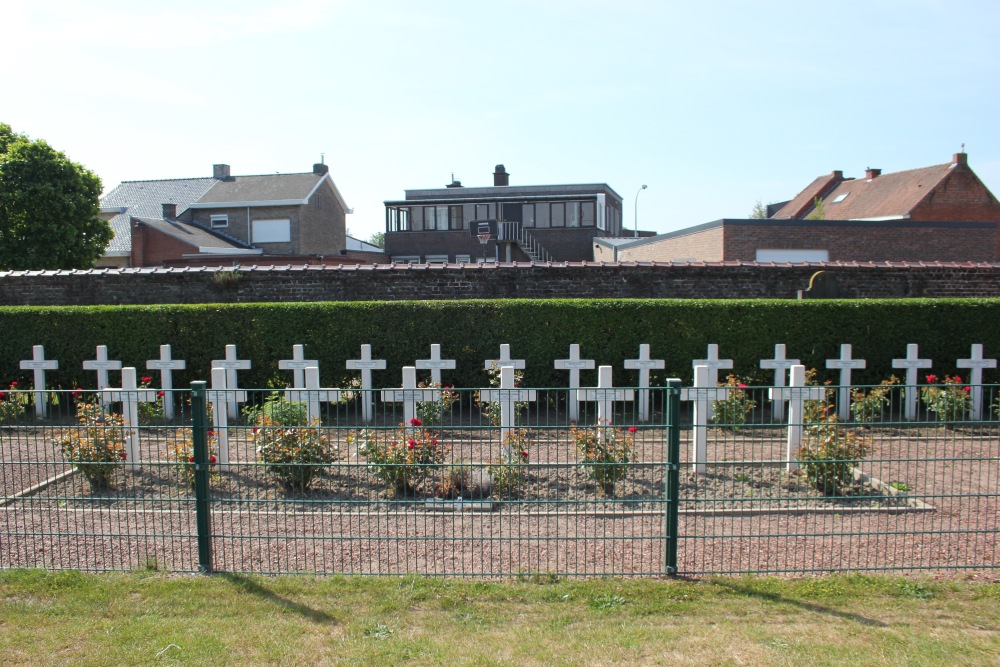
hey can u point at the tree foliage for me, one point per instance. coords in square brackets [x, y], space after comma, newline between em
[759, 211]
[48, 207]
[378, 239]
[819, 210]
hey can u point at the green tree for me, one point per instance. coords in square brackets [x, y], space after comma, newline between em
[48, 207]
[819, 210]
[378, 238]
[759, 211]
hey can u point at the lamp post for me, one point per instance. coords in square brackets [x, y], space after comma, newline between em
[636, 210]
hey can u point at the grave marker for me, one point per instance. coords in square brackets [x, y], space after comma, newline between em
[574, 364]
[644, 364]
[780, 364]
[507, 396]
[166, 365]
[605, 395]
[231, 365]
[702, 394]
[846, 365]
[220, 395]
[435, 364]
[911, 363]
[366, 365]
[797, 393]
[130, 396]
[504, 359]
[39, 364]
[102, 365]
[297, 364]
[409, 395]
[311, 394]
[976, 363]
[713, 363]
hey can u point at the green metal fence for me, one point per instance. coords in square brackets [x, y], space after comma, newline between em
[277, 492]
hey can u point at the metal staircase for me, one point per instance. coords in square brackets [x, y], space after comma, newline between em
[516, 233]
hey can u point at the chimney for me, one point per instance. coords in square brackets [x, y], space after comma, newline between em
[500, 176]
[960, 159]
[872, 173]
[169, 211]
[220, 172]
[454, 183]
[320, 168]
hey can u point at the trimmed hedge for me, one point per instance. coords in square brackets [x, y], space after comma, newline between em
[608, 331]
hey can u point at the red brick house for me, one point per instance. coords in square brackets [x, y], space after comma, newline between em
[938, 213]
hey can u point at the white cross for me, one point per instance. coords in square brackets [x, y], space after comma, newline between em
[702, 394]
[312, 395]
[713, 363]
[507, 396]
[366, 365]
[605, 395]
[644, 364]
[797, 393]
[409, 395]
[102, 365]
[435, 364]
[231, 365]
[504, 359]
[846, 365]
[220, 395]
[977, 364]
[39, 364]
[780, 364]
[297, 364]
[574, 364]
[130, 396]
[166, 365]
[911, 363]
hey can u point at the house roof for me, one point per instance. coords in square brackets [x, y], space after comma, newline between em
[240, 190]
[145, 199]
[876, 196]
[201, 239]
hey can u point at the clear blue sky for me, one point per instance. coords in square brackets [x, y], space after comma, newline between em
[712, 104]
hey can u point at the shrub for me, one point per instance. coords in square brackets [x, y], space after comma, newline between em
[12, 403]
[731, 412]
[294, 449]
[866, 408]
[829, 454]
[403, 458]
[508, 471]
[605, 452]
[153, 411]
[433, 412]
[182, 455]
[97, 446]
[492, 410]
[951, 401]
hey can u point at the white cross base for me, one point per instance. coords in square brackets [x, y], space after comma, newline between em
[39, 364]
[976, 364]
[797, 393]
[644, 364]
[166, 365]
[507, 396]
[409, 395]
[702, 394]
[312, 395]
[911, 363]
[130, 396]
[574, 364]
[366, 365]
[846, 364]
[220, 395]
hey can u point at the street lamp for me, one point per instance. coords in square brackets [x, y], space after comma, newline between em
[636, 209]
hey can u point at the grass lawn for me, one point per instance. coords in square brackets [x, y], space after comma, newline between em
[63, 618]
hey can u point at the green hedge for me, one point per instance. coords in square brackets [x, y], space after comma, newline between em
[608, 331]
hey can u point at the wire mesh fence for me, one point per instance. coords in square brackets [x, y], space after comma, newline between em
[448, 487]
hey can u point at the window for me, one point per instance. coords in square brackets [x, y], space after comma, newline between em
[483, 212]
[442, 218]
[542, 215]
[840, 198]
[463, 259]
[406, 259]
[455, 217]
[528, 215]
[219, 221]
[318, 201]
[792, 255]
[436, 259]
[271, 231]
[417, 224]
[558, 215]
[573, 214]
[587, 214]
[404, 219]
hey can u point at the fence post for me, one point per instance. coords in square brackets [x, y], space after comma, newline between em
[202, 468]
[672, 479]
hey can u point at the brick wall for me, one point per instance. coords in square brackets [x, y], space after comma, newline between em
[386, 282]
[705, 245]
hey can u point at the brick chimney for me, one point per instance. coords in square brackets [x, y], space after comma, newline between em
[169, 211]
[872, 173]
[319, 169]
[220, 172]
[961, 159]
[500, 176]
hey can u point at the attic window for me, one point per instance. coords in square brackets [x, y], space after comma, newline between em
[219, 221]
[840, 198]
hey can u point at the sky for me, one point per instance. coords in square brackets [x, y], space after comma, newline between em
[713, 105]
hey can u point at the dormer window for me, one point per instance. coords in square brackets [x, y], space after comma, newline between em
[219, 221]
[840, 198]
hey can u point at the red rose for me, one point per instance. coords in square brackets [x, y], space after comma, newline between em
[211, 433]
[416, 422]
[123, 455]
[3, 395]
[434, 441]
[211, 459]
[633, 429]
[190, 459]
[968, 389]
[957, 379]
[13, 384]
[932, 378]
[159, 394]
[411, 445]
[147, 378]
[524, 454]
[255, 429]
[741, 386]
